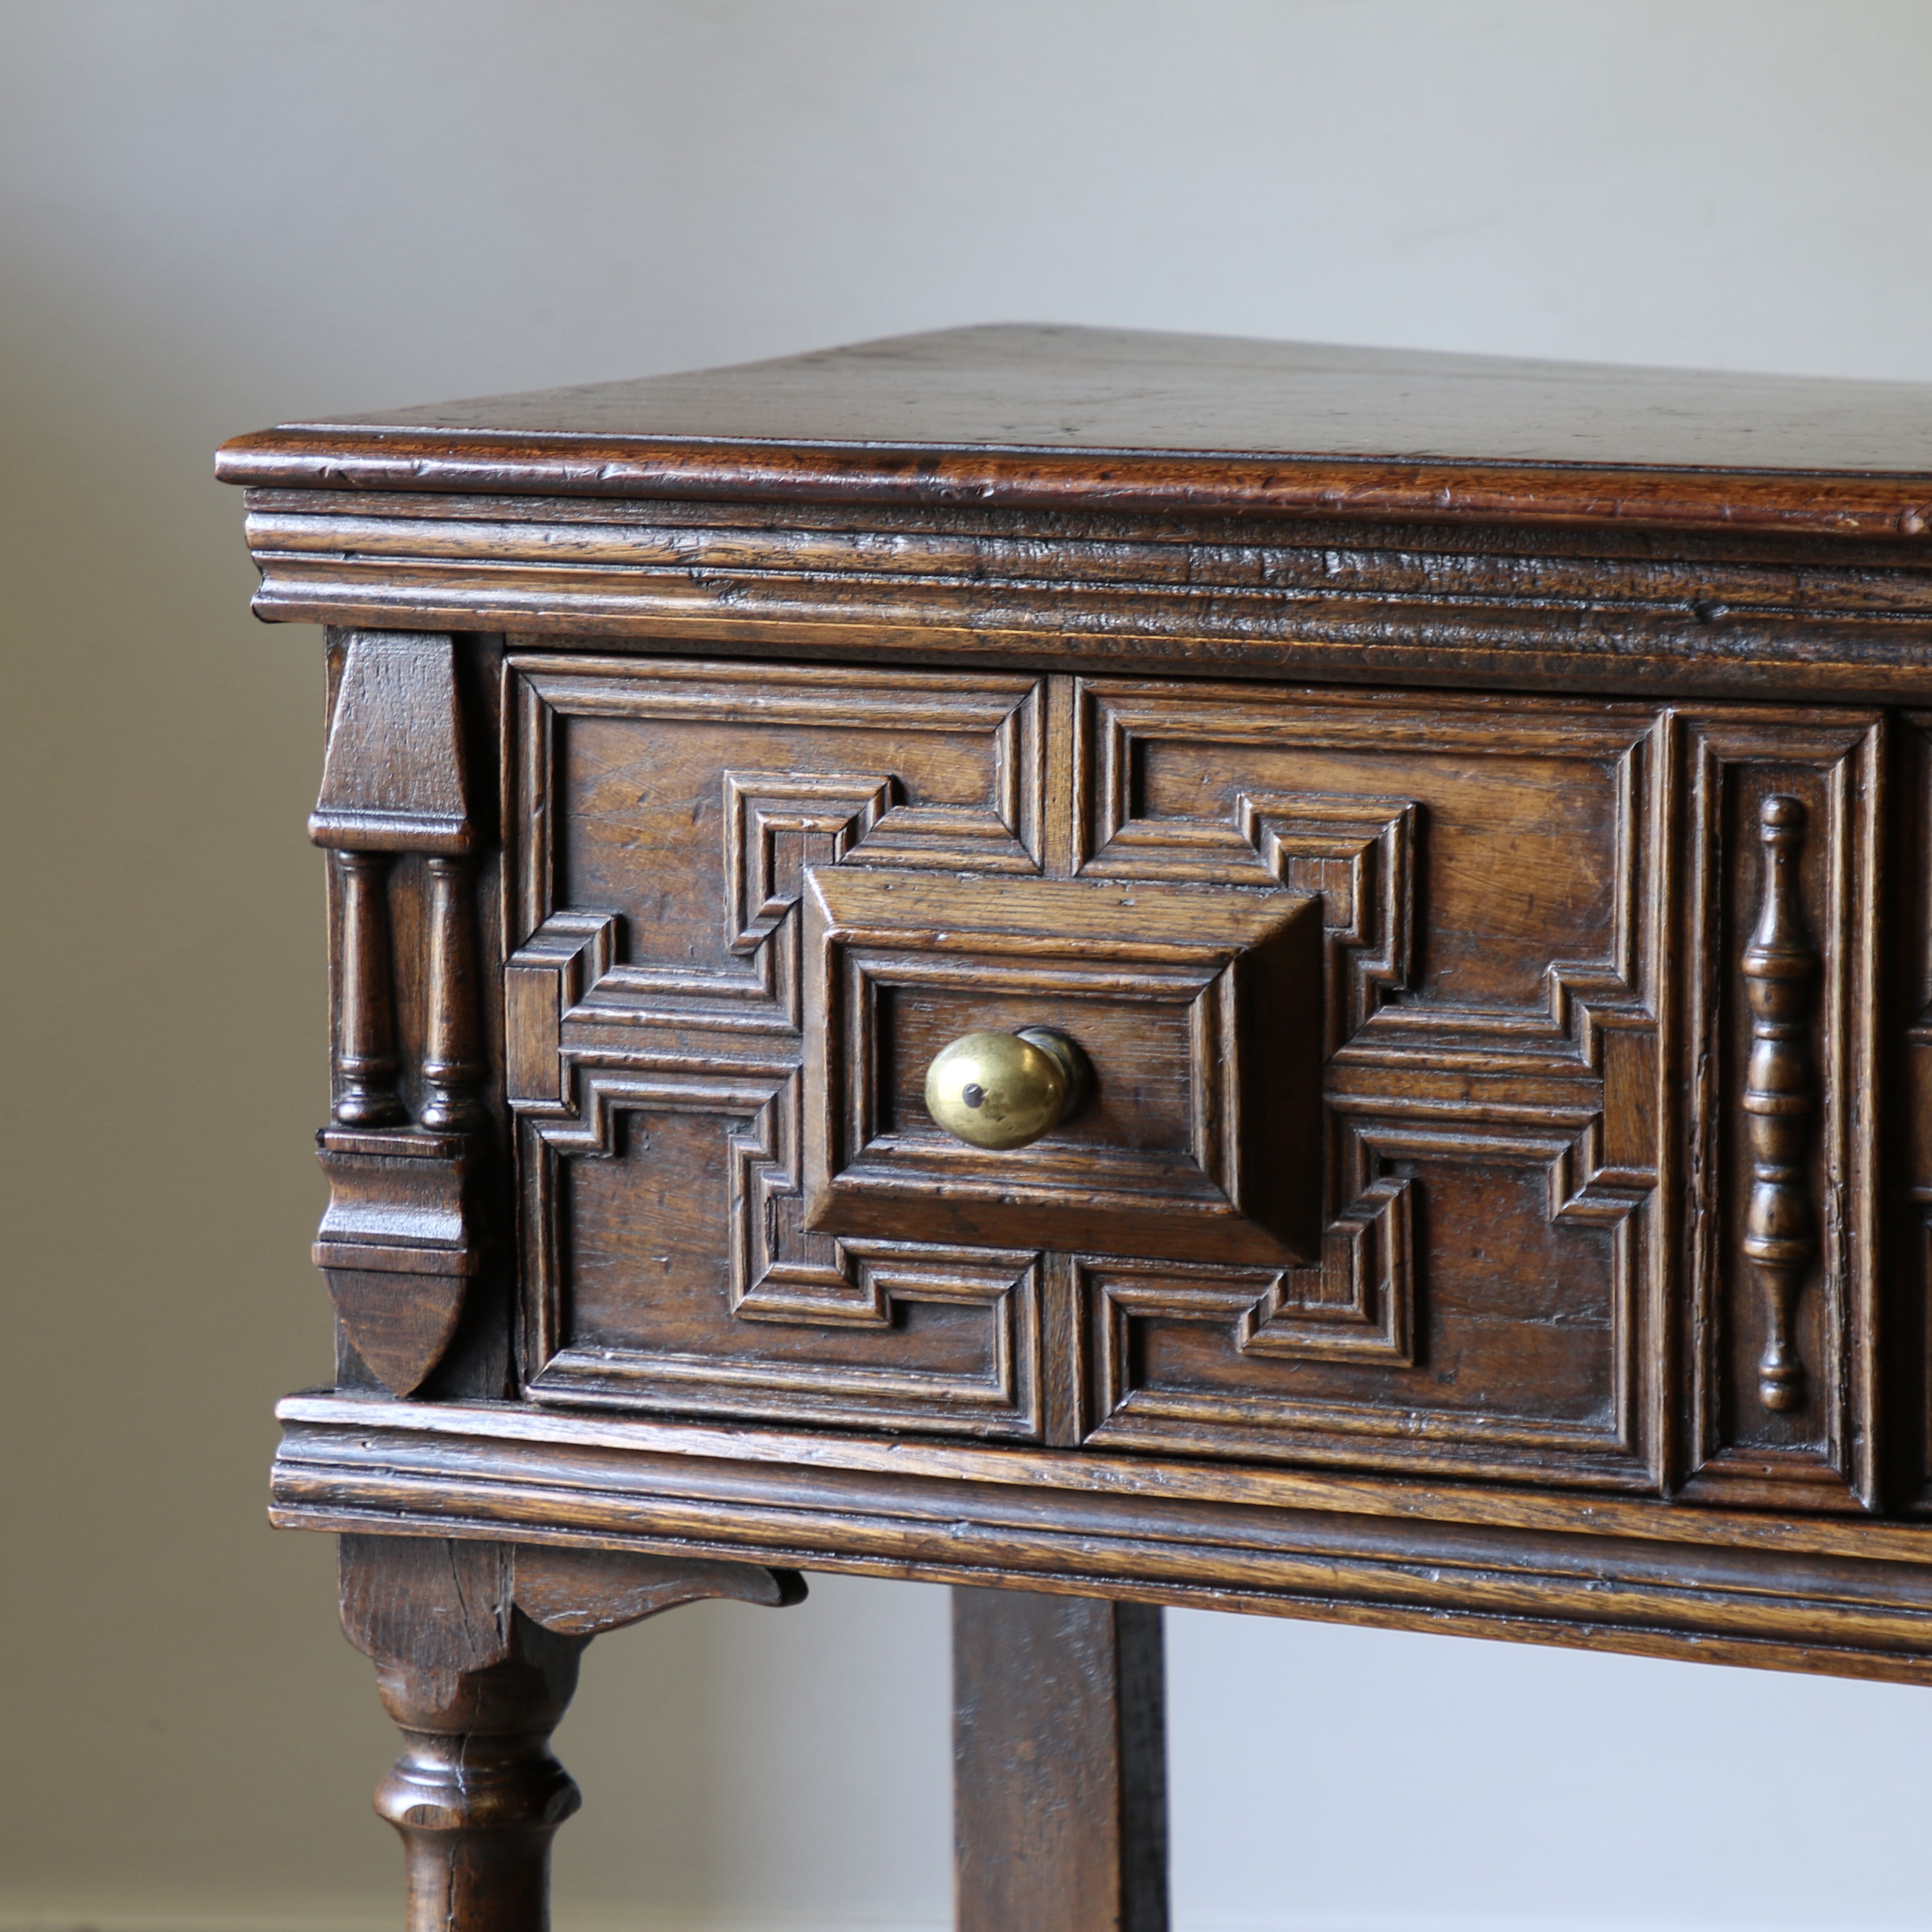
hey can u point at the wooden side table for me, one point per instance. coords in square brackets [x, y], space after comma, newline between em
[1115, 970]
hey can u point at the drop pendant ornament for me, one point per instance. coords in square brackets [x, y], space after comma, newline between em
[1005, 1089]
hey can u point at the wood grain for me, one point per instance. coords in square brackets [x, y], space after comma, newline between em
[1197, 1010]
[403, 1236]
[1502, 1204]
[1652, 1579]
[1095, 500]
[477, 1647]
[1446, 802]
[1521, 606]
[1060, 1770]
[1197, 407]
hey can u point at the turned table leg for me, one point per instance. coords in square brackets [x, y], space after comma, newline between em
[1059, 1776]
[476, 1794]
[476, 1647]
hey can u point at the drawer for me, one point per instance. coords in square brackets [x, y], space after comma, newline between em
[1476, 1085]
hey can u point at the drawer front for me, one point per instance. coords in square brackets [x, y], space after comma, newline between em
[1480, 1085]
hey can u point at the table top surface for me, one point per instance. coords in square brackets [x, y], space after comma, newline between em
[1026, 388]
[1118, 421]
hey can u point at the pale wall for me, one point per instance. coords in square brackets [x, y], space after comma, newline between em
[215, 213]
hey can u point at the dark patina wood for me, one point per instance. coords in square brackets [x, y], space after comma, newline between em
[1189, 422]
[1060, 1765]
[1110, 501]
[1472, 819]
[476, 1647]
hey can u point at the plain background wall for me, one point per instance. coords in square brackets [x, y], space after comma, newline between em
[214, 213]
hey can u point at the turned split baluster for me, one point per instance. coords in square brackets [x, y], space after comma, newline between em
[366, 1066]
[452, 1062]
[1780, 1097]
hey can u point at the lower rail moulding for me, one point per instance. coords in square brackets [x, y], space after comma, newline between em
[1841, 1598]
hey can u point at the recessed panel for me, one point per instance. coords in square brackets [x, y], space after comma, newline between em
[655, 1007]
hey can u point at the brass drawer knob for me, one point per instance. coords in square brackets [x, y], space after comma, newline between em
[1002, 1090]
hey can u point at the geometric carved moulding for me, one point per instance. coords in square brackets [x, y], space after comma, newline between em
[1198, 1010]
[1188, 1359]
[1357, 853]
[655, 1046]
[1364, 1172]
[1488, 869]
[1427, 1038]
